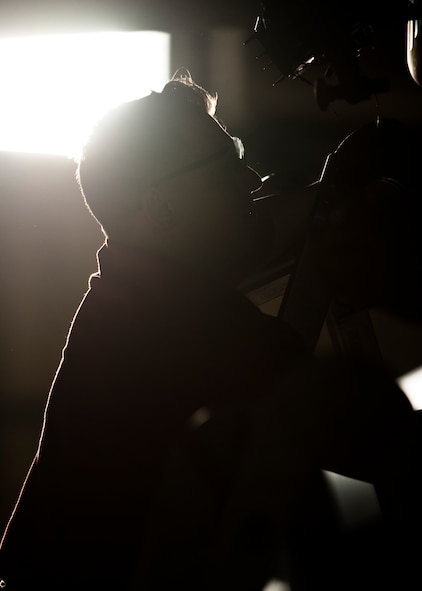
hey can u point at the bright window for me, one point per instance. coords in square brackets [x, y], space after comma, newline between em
[55, 87]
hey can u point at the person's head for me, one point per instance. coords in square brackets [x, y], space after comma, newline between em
[163, 173]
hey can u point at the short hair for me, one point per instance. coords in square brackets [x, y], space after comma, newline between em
[134, 142]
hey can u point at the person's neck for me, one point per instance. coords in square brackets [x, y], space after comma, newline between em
[205, 274]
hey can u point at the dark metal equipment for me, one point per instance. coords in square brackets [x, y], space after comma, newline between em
[300, 35]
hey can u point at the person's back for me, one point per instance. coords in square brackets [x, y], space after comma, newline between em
[120, 403]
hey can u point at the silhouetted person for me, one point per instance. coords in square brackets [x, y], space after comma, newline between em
[183, 424]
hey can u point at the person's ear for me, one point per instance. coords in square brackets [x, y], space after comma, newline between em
[158, 208]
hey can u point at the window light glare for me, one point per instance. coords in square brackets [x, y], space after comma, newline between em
[276, 585]
[411, 384]
[55, 87]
